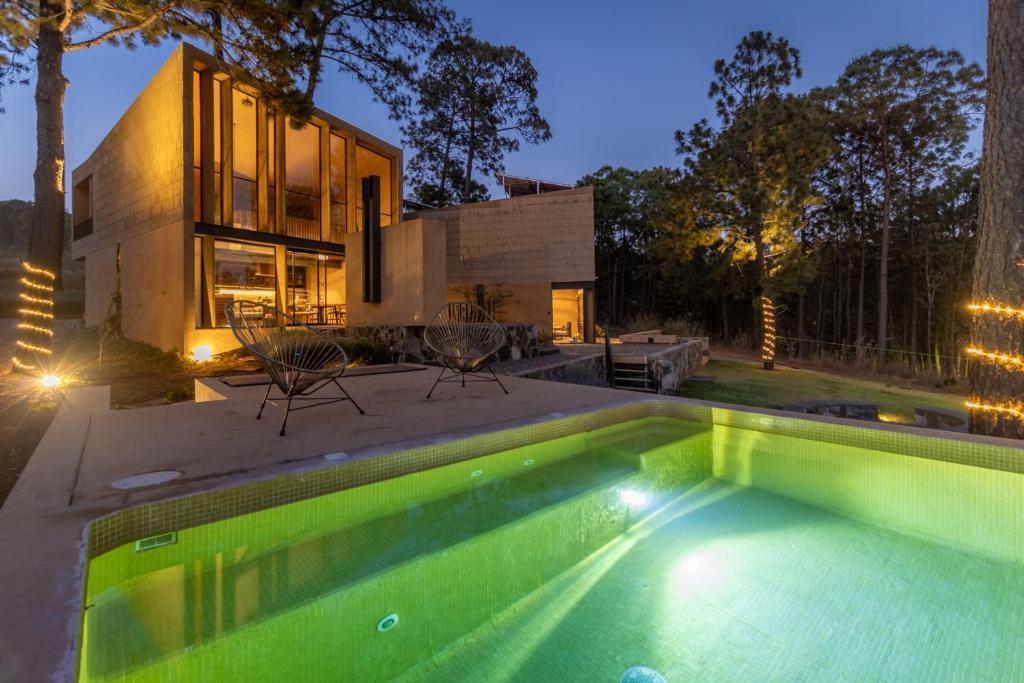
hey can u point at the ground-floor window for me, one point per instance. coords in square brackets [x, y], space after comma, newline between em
[567, 312]
[242, 272]
[315, 291]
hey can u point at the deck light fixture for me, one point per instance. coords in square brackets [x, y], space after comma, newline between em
[202, 353]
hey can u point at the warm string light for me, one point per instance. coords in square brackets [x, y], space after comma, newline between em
[1010, 361]
[768, 318]
[1000, 309]
[35, 328]
[1010, 408]
[37, 286]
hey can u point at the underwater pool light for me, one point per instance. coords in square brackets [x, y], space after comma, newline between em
[634, 498]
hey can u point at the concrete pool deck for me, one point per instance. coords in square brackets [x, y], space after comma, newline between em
[214, 444]
[217, 444]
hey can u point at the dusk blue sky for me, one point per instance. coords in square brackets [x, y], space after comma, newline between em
[616, 79]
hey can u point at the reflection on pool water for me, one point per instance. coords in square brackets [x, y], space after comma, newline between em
[703, 552]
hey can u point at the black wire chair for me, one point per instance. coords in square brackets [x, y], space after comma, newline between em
[465, 338]
[299, 359]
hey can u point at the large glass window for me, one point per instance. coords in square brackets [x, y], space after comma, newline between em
[370, 163]
[338, 188]
[197, 149]
[302, 182]
[271, 143]
[217, 125]
[315, 291]
[243, 156]
[242, 272]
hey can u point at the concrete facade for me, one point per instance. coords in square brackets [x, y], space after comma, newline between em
[157, 195]
[522, 247]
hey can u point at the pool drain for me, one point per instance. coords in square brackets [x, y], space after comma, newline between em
[642, 674]
[387, 623]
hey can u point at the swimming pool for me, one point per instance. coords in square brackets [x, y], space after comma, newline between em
[703, 550]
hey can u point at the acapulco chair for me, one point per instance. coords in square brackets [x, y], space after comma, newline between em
[465, 338]
[299, 359]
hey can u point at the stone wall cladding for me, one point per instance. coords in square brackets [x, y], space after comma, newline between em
[588, 370]
[673, 365]
[406, 341]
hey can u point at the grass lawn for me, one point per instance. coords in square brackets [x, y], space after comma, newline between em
[746, 383]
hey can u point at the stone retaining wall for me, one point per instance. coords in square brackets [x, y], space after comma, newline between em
[669, 368]
[406, 341]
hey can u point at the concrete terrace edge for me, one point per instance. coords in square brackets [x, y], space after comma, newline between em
[40, 628]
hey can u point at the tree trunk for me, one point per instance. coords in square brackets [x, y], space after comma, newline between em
[801, 331]
[997, 275]
[725, 320]
[46, 242]
[467, 183]
[883, 257]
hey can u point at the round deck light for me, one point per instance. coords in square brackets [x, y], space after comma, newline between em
[387, 623]
[202, 353]
[51, 381]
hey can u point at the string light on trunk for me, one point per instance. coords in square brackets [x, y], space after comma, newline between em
[36, 328]
[768, 335]
[1006, 360]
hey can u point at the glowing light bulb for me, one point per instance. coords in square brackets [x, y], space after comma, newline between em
[51, 381]
[634, 498]
[202, 353]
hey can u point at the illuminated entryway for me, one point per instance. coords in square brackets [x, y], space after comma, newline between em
[572, 311]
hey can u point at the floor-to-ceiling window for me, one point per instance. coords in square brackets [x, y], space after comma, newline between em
[302, 181]
[271, 147]
[243, 156]
[370, 163]
[197, 148]
[242, 272]
[217, 150]
[315, 290]
[339, 188]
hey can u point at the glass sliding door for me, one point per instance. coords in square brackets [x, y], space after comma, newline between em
[242, 272]
[315, 291]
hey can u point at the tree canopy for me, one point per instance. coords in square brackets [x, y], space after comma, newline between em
[476, 102]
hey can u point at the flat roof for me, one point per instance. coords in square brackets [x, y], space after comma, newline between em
[517, 186]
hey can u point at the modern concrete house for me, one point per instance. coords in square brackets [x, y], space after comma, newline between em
[200, 196]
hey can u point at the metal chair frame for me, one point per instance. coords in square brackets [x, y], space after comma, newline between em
[465, 337]
[299, 359]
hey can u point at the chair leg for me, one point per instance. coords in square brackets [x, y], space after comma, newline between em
[463, 379]
[435, 382]
[286, 411]
[349, 397]
[491, 370]
[265, 396]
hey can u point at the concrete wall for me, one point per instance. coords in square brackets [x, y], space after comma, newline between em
[137, 181]
[523, 244]
[413, 284]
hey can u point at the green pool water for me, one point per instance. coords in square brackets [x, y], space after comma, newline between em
[707, 553]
